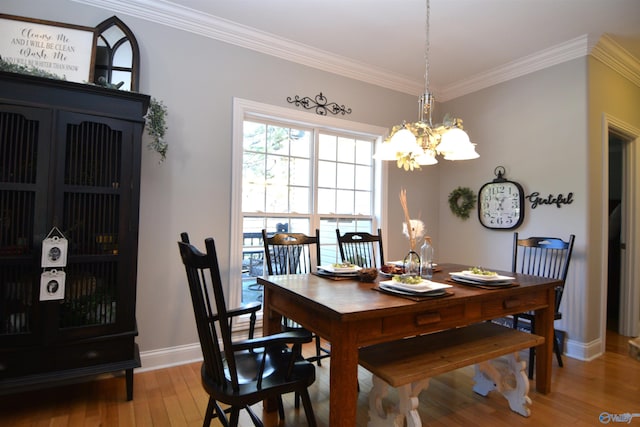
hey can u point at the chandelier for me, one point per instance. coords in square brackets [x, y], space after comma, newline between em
[416, 144]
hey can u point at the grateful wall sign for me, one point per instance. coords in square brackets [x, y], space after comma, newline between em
[551, 200]
[61, 49]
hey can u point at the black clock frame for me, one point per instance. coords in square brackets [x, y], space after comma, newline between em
[499, 171]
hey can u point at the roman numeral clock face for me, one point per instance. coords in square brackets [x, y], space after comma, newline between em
[501, 204]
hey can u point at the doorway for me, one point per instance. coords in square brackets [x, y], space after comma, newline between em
[616, 145]
[621, 284]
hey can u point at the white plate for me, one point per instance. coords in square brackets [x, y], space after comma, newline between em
[425, 286]
[469, 281]
[466, 274]
[461, 279]
[434, 293]
[341, 270]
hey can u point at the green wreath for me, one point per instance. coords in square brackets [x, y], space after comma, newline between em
[461, 210]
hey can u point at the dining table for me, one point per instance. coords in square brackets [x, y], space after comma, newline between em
[352, 314]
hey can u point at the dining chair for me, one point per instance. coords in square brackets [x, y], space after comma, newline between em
[243, 372]
[251, 308]
[547, 257]
[293, 253]
[361, 248]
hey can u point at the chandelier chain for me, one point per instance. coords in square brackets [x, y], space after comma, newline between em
[426, 49]
[414, 144]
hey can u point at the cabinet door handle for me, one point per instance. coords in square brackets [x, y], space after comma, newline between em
[92, 354]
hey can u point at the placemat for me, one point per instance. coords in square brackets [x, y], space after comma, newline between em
[447, 293]
[331, 276]
[512, 285]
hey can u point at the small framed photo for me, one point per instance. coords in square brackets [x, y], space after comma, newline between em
[64, 50]
[52, 285]
[54, 252]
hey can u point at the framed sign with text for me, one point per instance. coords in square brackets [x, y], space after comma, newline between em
[62, 49]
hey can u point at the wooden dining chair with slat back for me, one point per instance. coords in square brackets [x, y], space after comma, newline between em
[294, 253]
[240, 373]
[250, 308]
[547, 257]
[361, 248]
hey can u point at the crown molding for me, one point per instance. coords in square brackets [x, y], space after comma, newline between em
[194, 21]
[620, 60]
[558, 54]
[186, 19]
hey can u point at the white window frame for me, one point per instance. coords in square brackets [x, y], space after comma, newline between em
[244, 107]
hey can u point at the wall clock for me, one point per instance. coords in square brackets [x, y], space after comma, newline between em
[501, 203]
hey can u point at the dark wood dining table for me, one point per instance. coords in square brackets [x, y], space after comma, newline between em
[351, 314]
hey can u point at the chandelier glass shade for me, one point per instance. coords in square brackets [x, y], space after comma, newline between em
[416, 144]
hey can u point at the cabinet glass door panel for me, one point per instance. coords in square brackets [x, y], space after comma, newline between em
[23, 180]
[17, 209]
[23, 177]
[92, 222]
[18, 148]
[90, 295]
[18, 305]
[93, 155]
[91, 194]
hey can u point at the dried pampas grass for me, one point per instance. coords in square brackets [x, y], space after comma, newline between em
[412, 228]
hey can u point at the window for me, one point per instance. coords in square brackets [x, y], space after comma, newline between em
[298, 172]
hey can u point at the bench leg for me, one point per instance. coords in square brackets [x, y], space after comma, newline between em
[377, 414]
[407, 407]
[507, 376]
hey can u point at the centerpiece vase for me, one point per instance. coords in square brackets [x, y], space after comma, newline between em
[411, 264]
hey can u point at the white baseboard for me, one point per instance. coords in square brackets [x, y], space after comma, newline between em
[188, 353]
[584, 351]
[180, 355]
[167, 357]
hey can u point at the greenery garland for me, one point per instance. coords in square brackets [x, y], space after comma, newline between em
[461, 210]
[155, 123]
[29, 70]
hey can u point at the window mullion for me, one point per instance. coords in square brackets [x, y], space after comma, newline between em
[315, 220]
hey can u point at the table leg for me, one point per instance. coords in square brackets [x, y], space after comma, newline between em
[544, 352]
[343, 382]
[271, 321]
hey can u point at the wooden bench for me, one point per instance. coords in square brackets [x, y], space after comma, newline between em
[407, 365]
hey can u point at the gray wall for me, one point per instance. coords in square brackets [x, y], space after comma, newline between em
[536, 126]
[197, 78]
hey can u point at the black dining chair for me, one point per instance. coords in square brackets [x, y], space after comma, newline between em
[361, 248]
[293, 253]
[547, 257]
[251, 308]
[243, 372]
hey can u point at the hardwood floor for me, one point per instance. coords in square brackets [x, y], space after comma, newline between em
[174, 397]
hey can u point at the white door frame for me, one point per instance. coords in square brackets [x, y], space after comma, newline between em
[630, 230]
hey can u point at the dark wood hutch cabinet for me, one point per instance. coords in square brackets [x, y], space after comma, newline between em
[69, 158]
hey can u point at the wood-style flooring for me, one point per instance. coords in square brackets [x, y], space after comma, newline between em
[581, 392]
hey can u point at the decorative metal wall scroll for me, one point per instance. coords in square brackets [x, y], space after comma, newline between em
[320, 104]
